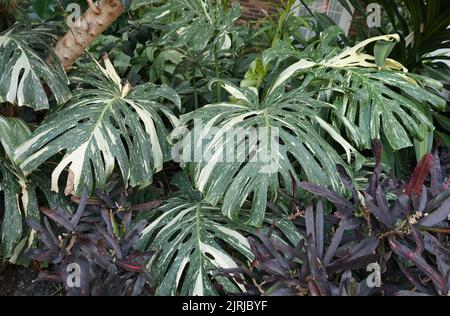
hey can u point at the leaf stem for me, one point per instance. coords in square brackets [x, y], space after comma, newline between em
[194, 85]
[216, 65]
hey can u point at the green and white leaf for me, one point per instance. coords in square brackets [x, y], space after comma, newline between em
[194, 23]
[19, 195]
[13, 132]
[369, 100]
[23, 71]
[103, 127]
[385, 102]
[255, 74]
[192, 241]
[236, 168]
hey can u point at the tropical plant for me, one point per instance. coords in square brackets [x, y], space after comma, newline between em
[193, 242]
[96, 240]
[197, 39]
[147, 147]
[422, 26]
[189, 237]
[368, 112]
[404, 231]
[21, 193]
[283, 25]
[19, 197]
[22, 68]
[424, 34]
[295, 114]
[289, 116]
[122, 125]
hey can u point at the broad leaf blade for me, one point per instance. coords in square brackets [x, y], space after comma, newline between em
[22, 69]
[100, 128]
[189, 238]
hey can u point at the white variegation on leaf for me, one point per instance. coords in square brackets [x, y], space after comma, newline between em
[19, 195]
[23, 71]
[349, 57]
[288, 142]
[353, 56]
[198, 23]
[103, 127]
[369, 101]
[193, 241]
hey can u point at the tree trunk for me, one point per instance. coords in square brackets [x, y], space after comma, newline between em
[97, 18]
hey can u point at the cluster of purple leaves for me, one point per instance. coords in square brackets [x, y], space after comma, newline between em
[402, 228]
[96, 241]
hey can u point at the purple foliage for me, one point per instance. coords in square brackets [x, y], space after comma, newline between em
[403, 229]
[98, 238]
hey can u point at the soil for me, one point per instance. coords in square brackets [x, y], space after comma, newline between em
[19, 281]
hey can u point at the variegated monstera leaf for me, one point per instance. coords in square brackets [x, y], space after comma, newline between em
[247, 148]
[19, 195]
[193, 241]
[24, 71]
[198, 23]
[372, 95]
[109, 125]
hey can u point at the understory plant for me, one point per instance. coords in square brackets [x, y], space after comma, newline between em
[94, 245]
[398, 230]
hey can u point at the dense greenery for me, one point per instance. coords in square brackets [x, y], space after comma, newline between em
[98, 158]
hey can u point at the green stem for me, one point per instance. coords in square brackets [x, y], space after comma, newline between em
[218, 87]
[194, 84]
[307, 8]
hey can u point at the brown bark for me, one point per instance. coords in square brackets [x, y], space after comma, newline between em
[97, 18]
[9, 110]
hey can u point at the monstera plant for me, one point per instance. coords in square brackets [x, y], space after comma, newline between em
[153, 169]
[326, 91]
[287, 137]
[19, 198]
[189, 236]
[23, 69]
[372, 95]
[110, 123]
[105, 123]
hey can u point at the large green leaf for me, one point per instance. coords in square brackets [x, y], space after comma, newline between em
[194, 23]
[193, 241]
[19, 196]
[386, 103]
[23, 70]
[368, 100]
[111, 124]
[243, 165]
